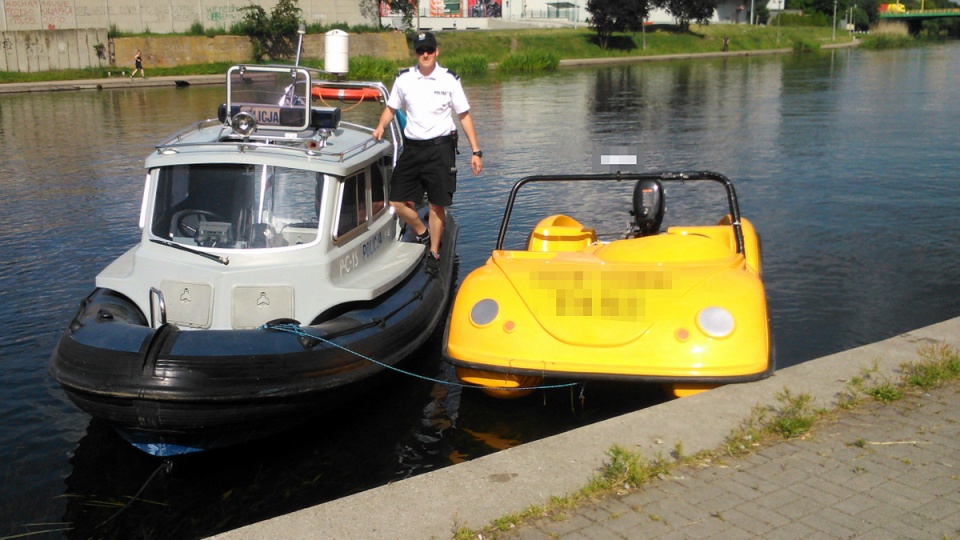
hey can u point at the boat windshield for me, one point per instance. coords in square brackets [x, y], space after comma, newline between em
[237, 206]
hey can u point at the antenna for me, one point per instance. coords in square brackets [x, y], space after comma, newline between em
[300, 31]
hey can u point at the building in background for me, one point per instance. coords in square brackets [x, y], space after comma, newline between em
[500, 14]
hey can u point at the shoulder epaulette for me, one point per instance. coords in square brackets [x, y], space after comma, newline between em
[454, 73]
[401, 71]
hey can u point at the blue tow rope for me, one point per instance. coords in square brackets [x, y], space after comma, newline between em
[296, 330]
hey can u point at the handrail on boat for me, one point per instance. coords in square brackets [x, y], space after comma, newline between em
[396, 131]
[155, 292]
[681, 176]
[189, 130]
[272, 144]
[288, 144]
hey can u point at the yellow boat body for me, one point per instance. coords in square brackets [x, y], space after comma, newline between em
[682, 308]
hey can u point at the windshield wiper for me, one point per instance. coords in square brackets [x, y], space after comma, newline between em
[222, 260]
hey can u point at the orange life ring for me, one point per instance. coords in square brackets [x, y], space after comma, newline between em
[344, 94]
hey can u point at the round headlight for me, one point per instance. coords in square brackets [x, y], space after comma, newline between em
[243, 123]
[715, 322]
[484, 312]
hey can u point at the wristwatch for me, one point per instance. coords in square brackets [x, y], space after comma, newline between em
[478, 153]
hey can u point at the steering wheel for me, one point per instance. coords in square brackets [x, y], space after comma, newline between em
[187, 222]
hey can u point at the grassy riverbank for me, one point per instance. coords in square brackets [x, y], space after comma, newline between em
[496, 46]
[470, 52]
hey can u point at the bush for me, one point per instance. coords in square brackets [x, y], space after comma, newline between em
[196, 29]
[801, 46]
[369, 68]
[530, 61]
[467, 64]
[886, 41]
[272, 36]
[317, 28]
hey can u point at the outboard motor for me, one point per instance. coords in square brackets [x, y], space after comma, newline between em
[648, 206]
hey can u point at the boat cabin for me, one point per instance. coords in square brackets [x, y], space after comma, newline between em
[275, 192]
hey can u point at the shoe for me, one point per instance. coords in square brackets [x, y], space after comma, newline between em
[432, 265]
[424, 238]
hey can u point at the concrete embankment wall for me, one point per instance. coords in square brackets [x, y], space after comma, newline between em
[53, 49]
[165, 16]
[899, 28]
[32, 51]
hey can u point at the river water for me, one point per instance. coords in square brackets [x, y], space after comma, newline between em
[846, 162]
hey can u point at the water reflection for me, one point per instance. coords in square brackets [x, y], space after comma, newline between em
[399, 430]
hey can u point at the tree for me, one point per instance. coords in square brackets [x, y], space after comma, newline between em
[273, 36]
[689, 10]
[370, 9]
[609, 16]
[408, 9]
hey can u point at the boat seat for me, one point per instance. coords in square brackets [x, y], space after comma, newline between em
[560, 233]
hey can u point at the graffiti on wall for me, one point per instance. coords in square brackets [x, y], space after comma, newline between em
[49, 14]
[56, 13]
[155, 14]
[91, 11]
[22, 12]
[223, 15]
[187, 14]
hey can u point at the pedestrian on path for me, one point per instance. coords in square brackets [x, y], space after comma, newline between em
[138, 62]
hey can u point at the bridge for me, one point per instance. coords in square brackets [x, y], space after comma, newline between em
[917, 13]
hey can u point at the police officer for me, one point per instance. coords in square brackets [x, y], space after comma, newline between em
[429, 95]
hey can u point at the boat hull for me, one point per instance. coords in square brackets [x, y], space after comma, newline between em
[171, 391]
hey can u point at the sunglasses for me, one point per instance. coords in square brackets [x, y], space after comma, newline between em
[428, 50]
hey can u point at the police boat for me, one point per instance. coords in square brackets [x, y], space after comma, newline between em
[272, 280]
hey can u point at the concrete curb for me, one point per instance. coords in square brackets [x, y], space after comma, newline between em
[574, 62]
[111, 83]
[477, 492]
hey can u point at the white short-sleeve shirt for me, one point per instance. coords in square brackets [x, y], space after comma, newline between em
[428, 101]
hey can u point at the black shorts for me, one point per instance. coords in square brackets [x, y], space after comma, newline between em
[425, 168]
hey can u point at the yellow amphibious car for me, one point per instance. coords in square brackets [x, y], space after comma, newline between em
[683, 306]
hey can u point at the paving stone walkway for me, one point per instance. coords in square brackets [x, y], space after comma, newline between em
[874, 471]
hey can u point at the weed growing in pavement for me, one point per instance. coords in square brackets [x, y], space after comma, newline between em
[749, 434]
[940, 363]
[625, 469]
[886, 392]
[881, 389]
[795, 418]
